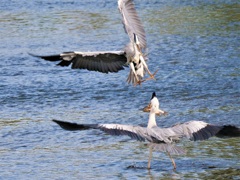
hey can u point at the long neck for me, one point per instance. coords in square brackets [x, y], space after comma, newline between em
[151, 120]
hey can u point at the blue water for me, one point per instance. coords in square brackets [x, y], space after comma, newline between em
[194, 44]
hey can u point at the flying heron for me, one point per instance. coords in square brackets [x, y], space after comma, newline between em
[162, 139]
[113, 61]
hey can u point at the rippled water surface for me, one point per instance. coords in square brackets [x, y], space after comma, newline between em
[194, 44]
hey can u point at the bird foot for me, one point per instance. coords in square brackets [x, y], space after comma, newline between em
[152, 76]
[139, 82]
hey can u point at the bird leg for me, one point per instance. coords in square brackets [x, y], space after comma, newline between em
[134, 72]
[150, 157]
[139, 82]
[173, 162]
[152, 76]
[136, 76]
[141, 57]
[146, 67]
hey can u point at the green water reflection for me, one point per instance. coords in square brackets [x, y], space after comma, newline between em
[201, 20]
[228, 173]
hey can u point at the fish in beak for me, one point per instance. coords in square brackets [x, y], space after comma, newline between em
[148, 108]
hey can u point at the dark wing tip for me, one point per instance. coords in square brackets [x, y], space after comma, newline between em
[205, 133]
[70, 126]
[229, 131]
[56, 57]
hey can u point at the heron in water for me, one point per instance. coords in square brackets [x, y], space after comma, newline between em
[113, 61]
[162, 139]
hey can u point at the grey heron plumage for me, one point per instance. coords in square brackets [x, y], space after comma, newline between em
[163, 139]
[113, 61]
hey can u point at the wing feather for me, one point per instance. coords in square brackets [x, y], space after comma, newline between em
[101, 61]
[112, 61]
[131, 22]
[196, 130]
[134, 132]
[56, 57]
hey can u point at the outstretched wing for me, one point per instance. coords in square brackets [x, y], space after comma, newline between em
[101, 61]
[135, 132]
[74, 126]
[193, 130]
[199, 130]
[131, 22]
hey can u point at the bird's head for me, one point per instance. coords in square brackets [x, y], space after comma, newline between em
[153, 106]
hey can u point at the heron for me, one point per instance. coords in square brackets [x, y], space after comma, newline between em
[163, 139]
[113, 61]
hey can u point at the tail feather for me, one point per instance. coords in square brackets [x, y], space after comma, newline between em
[140, 74]
[131, 78]
[171, 148]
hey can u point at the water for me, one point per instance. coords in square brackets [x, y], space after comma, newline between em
[195, 46]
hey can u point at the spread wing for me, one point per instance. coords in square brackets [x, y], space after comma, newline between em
[131, 22]
[135, 132]
[199, 130]
[194, 130]
[101, 61]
